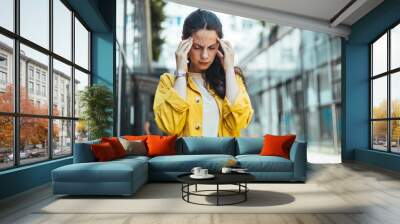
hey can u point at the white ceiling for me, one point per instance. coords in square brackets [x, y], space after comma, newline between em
[315, 15]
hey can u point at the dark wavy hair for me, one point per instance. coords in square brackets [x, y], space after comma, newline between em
[215, 74]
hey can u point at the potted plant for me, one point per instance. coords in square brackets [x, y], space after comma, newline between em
[96, 102]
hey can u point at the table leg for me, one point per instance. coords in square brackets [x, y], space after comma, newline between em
[245, 193]
[217, 194]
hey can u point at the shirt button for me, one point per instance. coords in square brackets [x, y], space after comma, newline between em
[197, 127]
[197, 99]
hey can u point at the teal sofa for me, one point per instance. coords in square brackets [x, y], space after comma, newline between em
[125, 176]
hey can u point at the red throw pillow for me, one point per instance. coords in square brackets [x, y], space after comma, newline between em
[161, 145]
[277, 145]
[116, 145]
[103, 151]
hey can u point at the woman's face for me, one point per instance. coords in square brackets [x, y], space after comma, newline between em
[204, 49]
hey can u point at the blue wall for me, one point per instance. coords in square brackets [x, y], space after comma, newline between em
[99, 16]
[356, 84]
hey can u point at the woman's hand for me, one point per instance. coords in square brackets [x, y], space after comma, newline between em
[181, 54]
[228, 58]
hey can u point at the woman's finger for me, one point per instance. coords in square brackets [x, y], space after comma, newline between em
[184, 46]
[183, 42]
[187, 47]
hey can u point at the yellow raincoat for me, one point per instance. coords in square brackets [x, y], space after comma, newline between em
[176, 116]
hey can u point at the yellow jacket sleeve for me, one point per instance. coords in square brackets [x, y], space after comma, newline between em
[170, 109]
[238, 114]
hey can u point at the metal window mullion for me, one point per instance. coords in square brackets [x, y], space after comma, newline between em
[16, 84]
[50, 82]
[73, 82]
[371, 86]
[389, 112]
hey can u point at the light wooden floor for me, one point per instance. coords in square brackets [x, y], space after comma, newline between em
[378, 188]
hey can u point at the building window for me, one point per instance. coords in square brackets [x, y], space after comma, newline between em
[385, 97]
[3, 61]
[30, 87]
[38, 89]
[35, 54]
[3, 78]
[30, 72]
[44, 91]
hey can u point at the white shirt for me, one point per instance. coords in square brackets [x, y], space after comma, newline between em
[210, 109]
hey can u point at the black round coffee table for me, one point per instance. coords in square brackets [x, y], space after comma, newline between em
[238, 179]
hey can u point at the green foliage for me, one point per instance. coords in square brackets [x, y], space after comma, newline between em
[157, 17]
[96, 102]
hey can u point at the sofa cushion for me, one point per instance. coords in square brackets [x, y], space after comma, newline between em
[83, 152]
[185, 163]
[257, 163]
[207, 145]
[245, 145]
[111, 171]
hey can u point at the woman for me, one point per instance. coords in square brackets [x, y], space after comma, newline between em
[206, 96]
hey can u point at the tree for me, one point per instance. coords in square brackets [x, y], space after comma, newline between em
[380, 127]
[157, 17]
[33, 131]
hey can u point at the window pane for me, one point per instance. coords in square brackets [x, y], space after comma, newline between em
[81, 45]
[395, 47]
[34, 84]
[6, 142]
[81, 131]
[379, 55]
[379, 98]
[379, 135]
[6, 74]
[62, 89]
[81, 81]
[395, 94]
[7, 14]
[35, 21]
[62, 29]
[62, 137]
[33, 140]
[395, 136]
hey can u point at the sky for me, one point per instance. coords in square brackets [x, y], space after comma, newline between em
[35, 27]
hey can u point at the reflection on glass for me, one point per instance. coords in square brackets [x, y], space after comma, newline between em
[395, 47]
[395, 94]
[81, 131]
[35, 21]
[33, 140]
[81, 45]
[379, 98]
[6, 142]
[34, 96]
[62, 29]
[81, 81]
[6, 74]
[395, 136]
[379, 135]
[7, 14]
[62, 138]
[379, 55]
[62, 89]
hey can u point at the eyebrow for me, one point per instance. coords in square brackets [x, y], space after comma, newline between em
[203, 46]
